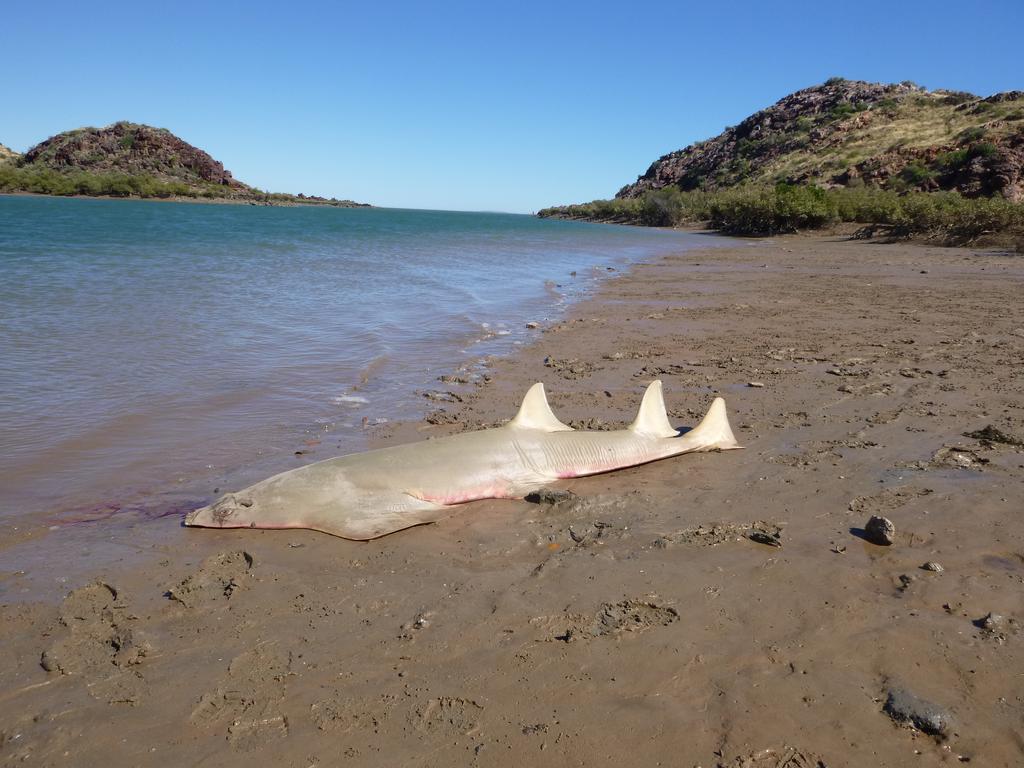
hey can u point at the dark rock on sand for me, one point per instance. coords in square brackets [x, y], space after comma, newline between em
[992, 622]
[549, 496]
[991, 434]
[904, 707]
[770, 538]
[880, 530]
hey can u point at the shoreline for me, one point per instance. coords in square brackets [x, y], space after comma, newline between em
[200, 200]
[637, 622]
[109, 521]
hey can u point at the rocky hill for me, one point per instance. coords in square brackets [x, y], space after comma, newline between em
[6, 154]
[129, 159]
[852, 133]
[132, 149]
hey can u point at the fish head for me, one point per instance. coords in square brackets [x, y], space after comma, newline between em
[232, 510]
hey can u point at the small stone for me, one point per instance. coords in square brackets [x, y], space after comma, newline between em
[933, 567]
[48, 662]
[845, 388]
[993, 622]
[533, 325]
[756, 384]
[771, 539]
[880, 531]
[549, 496]
[904, 707]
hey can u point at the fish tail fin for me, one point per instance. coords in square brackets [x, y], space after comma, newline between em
[713, 432]
[652, 419]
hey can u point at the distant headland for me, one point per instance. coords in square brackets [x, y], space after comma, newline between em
[131, 160]
[948, 165]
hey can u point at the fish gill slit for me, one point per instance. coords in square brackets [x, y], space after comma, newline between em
[573, 459]
[526, 459]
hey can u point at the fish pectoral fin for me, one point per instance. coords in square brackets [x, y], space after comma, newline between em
[535, 413]
[383, 516]
[423, 498]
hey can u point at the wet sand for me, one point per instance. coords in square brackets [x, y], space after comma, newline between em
[645, 621]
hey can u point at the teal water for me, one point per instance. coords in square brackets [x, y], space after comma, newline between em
[150, 350]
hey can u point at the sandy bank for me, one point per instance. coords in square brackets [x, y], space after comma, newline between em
[639, 623]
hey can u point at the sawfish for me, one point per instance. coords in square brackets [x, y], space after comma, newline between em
[364, 496]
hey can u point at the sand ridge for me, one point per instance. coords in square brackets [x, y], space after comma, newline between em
[717, 609]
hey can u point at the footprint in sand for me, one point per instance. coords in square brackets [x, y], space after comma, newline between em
[99, 645]
[248, 699]
[786, 757]
[447, 716]
[218, 578]
[343, 714]
[611, 619]
[886, 500]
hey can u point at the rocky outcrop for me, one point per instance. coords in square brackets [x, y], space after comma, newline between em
[6, 153]
[133, 149]
[849, 132]
[133, 160]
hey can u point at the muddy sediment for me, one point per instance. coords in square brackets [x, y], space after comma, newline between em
[718, 609]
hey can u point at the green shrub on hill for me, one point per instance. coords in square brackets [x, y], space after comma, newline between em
[755, 210]
[45, 181]
[844, 109]
[974, 133]
[760, 211]
[915, 174]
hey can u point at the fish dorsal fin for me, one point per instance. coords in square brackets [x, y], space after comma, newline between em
[535, 413]
[652, 419]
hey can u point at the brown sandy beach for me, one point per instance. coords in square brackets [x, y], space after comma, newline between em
[638, 623]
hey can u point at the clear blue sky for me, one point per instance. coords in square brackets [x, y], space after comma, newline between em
[473, 106]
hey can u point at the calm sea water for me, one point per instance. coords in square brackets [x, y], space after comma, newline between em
[153, 351]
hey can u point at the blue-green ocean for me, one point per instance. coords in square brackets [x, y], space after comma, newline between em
[150, 350]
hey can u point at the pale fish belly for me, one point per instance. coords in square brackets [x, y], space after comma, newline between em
[471, 493]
